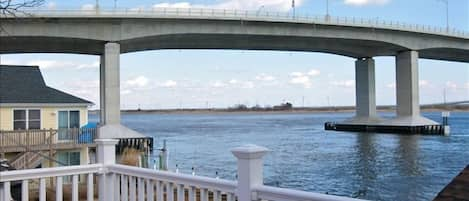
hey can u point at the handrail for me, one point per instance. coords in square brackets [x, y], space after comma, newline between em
[248, 15]
[200, 182]
[19, 175]
[282, 194]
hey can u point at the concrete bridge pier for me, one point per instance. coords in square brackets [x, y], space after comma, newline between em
[365, 91]
[407, 92]
[109, 81]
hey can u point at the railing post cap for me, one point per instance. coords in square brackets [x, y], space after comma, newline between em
[249, 151]
[106, 141]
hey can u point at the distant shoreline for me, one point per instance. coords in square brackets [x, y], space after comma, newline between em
[342, 109]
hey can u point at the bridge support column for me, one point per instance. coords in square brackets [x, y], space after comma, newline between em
[110, 96]
[407, 91]
[365, 93]
[110, 84]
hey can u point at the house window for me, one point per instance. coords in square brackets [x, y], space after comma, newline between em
[67, 120]
[26, 119]
[68, 158]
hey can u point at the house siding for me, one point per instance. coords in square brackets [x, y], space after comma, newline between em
[49, 116]
[6, 119]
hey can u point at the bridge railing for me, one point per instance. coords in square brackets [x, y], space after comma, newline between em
[249, 15]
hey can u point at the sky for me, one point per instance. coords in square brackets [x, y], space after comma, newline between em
[167, 79]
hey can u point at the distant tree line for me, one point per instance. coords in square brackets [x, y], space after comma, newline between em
[243, 107]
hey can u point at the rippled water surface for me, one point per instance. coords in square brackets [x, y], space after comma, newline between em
[305, 157]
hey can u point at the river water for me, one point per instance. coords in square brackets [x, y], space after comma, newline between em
[305, 157]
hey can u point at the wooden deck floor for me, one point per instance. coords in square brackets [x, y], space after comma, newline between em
[456, 190]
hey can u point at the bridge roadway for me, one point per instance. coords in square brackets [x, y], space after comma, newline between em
[110, 33]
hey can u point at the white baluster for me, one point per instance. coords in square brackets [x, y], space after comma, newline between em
[230, 197]
[25, 190]
[59, 189]
[150, 190]
[132, 190]
[124, 188]
[159, 191]
[42, 189]
[203, 194]
[180, 195]
[216, 195]
[117, 185]
[192, 193]
[75, 188]
[169, 192]
[6, 193]
[90, 188]
[141, 189]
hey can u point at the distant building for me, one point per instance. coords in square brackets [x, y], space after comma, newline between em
[33, 114]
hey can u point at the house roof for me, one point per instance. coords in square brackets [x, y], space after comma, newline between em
[25, 85]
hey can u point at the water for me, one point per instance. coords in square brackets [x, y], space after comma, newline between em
[305, 157]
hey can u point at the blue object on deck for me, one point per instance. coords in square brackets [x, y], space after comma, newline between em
[86, 134]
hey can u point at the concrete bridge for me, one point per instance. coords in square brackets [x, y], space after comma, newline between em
[110, 33]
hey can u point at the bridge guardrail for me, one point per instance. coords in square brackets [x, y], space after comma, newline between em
[248, 15]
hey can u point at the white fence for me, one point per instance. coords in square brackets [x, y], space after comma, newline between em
[125, 183]
[259, 15]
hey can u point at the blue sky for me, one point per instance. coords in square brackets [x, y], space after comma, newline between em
[219, 78]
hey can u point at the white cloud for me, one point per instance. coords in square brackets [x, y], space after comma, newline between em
[53, 64]
[48, 64]
[451, 85]
[51, 5]
[314, 72]
[88, 7]
[174, 5]
[277, 5]
[248, 85]
[366, 2]
[140, 81]
[265, 77]
[424, 83]
[233, 81]
[87, 89]
[296, 74]
[301, 79]
[169, 83]
[90, 65]
[218, 84]
[466, 85]
[344, 83]
[304, 79]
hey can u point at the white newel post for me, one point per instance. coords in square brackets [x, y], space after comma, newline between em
[250, 170]
[106, 155]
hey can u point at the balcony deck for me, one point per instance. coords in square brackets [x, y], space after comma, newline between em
[45, 140]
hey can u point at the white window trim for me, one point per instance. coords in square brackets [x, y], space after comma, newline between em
[27, 117]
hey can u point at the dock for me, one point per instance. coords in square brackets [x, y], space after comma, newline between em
[399, 129]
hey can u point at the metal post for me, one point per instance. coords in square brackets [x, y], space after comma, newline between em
[250, 170]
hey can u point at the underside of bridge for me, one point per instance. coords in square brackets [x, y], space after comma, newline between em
[109, 37]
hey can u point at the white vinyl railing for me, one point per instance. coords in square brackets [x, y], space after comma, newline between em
[126, 183]
[260, 15]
